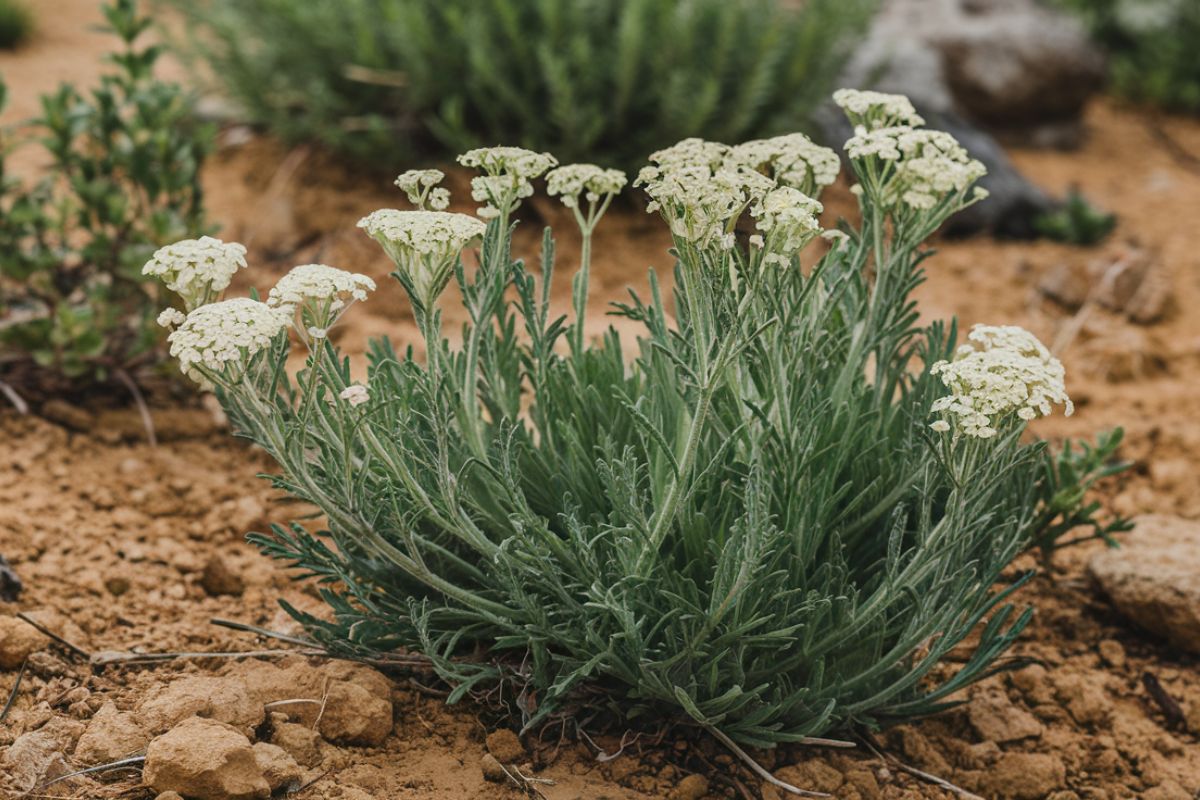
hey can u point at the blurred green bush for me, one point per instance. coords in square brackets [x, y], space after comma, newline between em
[123, 178]
[607, 81]
[1153, 46]
[16, 23]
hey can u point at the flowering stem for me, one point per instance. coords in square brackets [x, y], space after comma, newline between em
[580, 285]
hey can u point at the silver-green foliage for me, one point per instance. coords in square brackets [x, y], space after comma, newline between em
[750, 527]
[603, 80]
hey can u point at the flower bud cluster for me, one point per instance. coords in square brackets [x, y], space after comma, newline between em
[421, 188]
[320, 283]
[873, 110]
[508, 172]
[788, 220]
[593, 182]
[792, 160]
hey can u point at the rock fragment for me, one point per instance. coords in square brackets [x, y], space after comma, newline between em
[997, 719]
[221, 699]
[353, 715]
[278, 767]
[505, 746]
[17, 640]
[205, 760]
[1154, 578]
[111, 735]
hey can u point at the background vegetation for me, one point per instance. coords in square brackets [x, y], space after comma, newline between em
[1153, 46]
[607, 81]
[123, 179]
[16, 23]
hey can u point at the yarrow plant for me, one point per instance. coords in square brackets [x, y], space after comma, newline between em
[750, 528]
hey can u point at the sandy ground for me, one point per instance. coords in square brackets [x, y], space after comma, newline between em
[119, 543]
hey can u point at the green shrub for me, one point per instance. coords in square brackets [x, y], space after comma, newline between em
[16, 23]
[1076, 222]
[776, 522]
[605, 80]
[123, 179]
[1153, 47]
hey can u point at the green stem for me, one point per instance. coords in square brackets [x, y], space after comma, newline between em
[580, 285]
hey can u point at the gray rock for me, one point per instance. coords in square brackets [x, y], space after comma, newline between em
[1154, 578]
[975, 68]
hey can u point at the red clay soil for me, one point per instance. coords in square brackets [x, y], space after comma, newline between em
[127, 548]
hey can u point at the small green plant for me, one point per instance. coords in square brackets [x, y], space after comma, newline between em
[1066, 507]
[1153, 48]
[605, 80]
[123, 179]
[16, 23]
[774, 524]
[1076, 222]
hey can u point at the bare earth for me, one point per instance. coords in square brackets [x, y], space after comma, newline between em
[127, 548]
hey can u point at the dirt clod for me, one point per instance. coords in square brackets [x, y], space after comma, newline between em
[997, 719]
[492, 769]
[1023, 776]
[207, 760]
[301, 742]
[219, 577]
[17, 640]
[221, 699]
[355, 716]
[692, 787]
[505, 746]
[278, 767]
[110, 735]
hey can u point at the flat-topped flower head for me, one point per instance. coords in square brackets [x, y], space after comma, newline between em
[593, 182]
[198, 270]
[424, 246]
[321, 284]
[792, 160]
[691, 152]
[221, 337]
[318, 294]
[877, 109]
[507, 175]
[1006, 373]
[421, 188]
[788, 220]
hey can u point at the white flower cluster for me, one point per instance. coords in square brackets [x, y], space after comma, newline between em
[877, 109]
[929, 165]
[792, 160]
[421, 188]
[198, 270]
[227, 333]
[788, 219]
[701, 191]
[424, 245]
[508, 172]
[1008, 371]
[593, 182]
[322, 284]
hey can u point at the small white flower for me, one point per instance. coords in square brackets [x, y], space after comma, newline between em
[757, 241]
[1008, 371]
[355, 394]
[941, 426]
[224, 335]
[317, 333]
[198, 270]
[171, 317]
